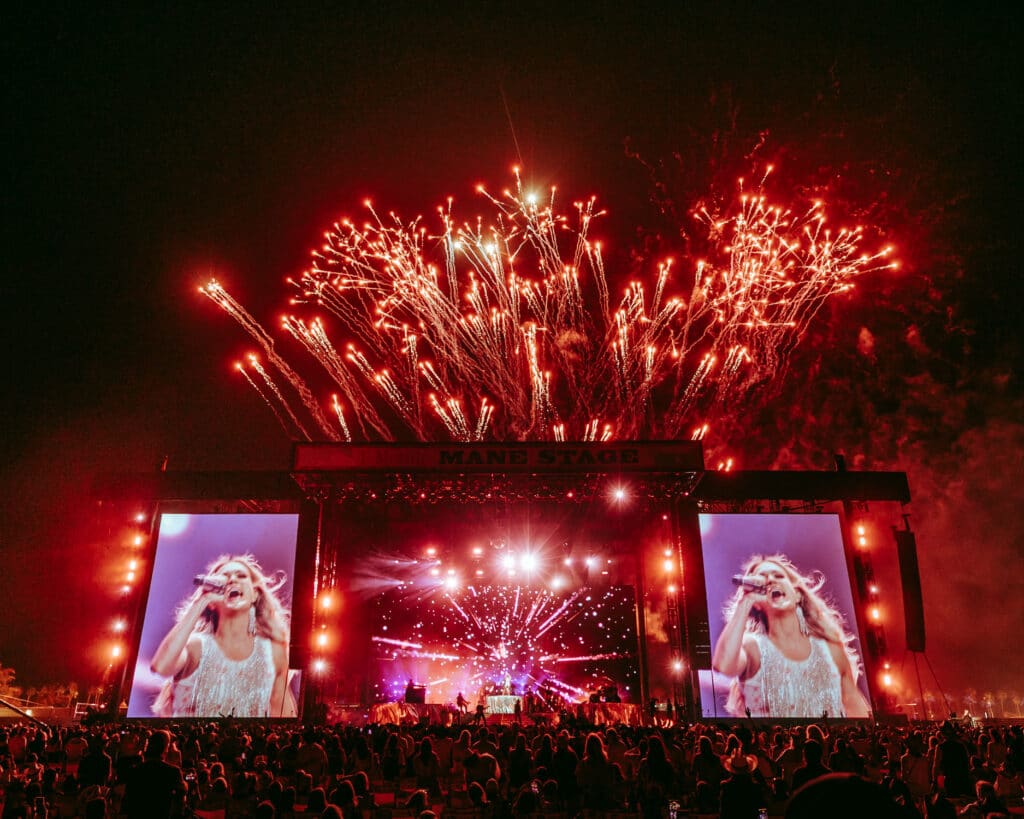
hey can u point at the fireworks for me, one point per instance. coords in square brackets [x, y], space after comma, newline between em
[506, 329]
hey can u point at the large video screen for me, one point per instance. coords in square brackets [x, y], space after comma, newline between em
[784, 637]
[216, 630]
[531, 604]
[487, 641]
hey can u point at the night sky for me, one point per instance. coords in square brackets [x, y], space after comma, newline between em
[147, 150]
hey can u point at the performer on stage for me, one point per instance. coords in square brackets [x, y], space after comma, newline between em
[462, 705]
[787, 647]
[228, 652]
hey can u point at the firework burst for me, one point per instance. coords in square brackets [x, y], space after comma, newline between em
[507, 329]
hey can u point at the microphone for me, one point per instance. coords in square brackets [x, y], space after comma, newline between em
[209, 583]
[750, 583]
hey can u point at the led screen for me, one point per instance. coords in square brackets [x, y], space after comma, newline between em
[562, 645]
[216, 630]
[781, 617]
[495, 601]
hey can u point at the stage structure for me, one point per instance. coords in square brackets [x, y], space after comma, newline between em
[528, 577]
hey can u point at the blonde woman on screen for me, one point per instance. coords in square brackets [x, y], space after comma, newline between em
[227, 654]
[786, 647]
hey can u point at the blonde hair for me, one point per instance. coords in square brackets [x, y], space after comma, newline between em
[822, 617]
[271, 615]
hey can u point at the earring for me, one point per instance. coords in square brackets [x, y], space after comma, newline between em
[802, 620]
[252, 619]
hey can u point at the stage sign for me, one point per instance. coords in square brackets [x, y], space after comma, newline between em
[661, 456]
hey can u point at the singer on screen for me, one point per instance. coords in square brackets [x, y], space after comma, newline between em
[786, 646]
[227, 654]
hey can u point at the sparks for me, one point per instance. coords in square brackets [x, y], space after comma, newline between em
[505, 329]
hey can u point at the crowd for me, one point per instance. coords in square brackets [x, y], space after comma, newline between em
[270, 770]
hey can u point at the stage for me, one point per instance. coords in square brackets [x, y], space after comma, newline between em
[488, 569]
[408, 713]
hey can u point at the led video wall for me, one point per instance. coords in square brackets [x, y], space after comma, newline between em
[784, 637]
[563, 645]
[216, 630]
[492, 600]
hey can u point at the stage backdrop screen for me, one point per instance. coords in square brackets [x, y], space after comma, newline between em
[215, 633]
[562, 645]
[791, 649]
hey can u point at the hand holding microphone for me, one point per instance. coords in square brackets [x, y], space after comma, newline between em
[750, 583]
[210, 583]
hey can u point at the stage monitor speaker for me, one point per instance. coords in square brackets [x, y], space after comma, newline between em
[910, 578]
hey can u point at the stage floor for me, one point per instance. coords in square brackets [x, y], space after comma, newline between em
[404, 713]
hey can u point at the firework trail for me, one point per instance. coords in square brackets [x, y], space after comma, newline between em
[507, 330]
[266, 399]
[340, 412]
[221, 297]
[255, 364]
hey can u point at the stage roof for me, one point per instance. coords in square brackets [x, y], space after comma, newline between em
[522, 470]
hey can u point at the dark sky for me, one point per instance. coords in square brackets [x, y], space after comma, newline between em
[145, 150]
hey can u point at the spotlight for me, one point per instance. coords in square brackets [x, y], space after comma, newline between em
[319, 665]
[557, 582]
[451, 583]
[668, 565]
[509, 562]
[321, 639]
[477, 551]
[528, 562]
[677, 665]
